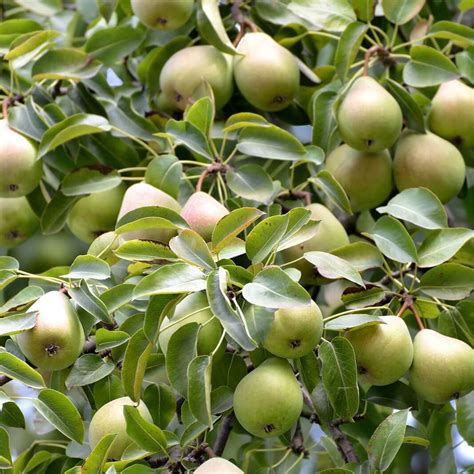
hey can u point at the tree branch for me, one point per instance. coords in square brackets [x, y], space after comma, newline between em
[343, 444]
[223, 436]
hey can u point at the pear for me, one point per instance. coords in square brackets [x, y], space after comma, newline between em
[95, 214]
[266, 73]
[18, 222]
[56, 341]
[452, 113]
[429, 161]
[142, 195]
[218, 466]
[20, 172]
[329, 236]
[443, 367]
[369, 118]
[268, 401]
[366, 177]
[202, 212]
[194, 308]
[109, 419]
[294, 332]
[163, 15]
[190, 68]
[384, 352]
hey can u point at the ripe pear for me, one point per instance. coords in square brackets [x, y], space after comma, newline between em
[18, 222]
[56, 341]
[369, 118]
[142, 195]
[366, 177]
[190, 68]
[429, 161]
[266, 73]
[95, 214]
[443, 367]
[197, 306]
[268, 400]
[384, 352]
[202, 212]
[452, 113]
[20, 173]
[163, 15]
[109, 419]
[329, 236]
[218, 466]
[294, 332]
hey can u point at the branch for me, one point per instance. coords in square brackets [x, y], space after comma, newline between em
[297, 442]
[211, 169]
[343, 444]
[4, 379]
[224, 433]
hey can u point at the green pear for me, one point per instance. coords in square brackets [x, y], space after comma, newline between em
[202, 212]
[268, 401]
[366, 177]
[294, 332]
[266, 73]
[163, 15]
[18, 221]
[194, 308]
[369, 118]
[20, 172]
[190, 68]
[429, 161]
[452, 113]
[95, 214]
[329, 236]
[443, 367]
[109, 419]
[218, 466]
[384, 352]
[142, 195]
[56, 341]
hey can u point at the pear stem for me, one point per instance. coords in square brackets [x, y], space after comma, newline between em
[368, 54]
[242, 21]
[214, 168]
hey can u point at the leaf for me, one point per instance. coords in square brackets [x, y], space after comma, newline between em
[16, 369]
[348, 47]
[461, 35]
[333, 190]
[308, 368]
[106, 339]
[401, 12]
[387, 440]
[83, 297]
[88, 266]
[88, 369]
[5, 453]
[99, 455]
[449, 281]
[56, 211]
[199, 389]
[465, 417]
[11, 415]
[192, 248]
[161, 402]
[397, 395]
[323, 118]
[23, 297]
[190, 136]
[356, 297]
[165, 173]
[201, 114]
[158, 306]
[90, 180]
[361, 255]
[12, 29]
[9, 263]
[29, 47]
[352, 321]
[251, 182]
[16, 323]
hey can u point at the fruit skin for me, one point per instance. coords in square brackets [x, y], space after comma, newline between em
[294, 332]
[352, 168]
[266, 73]
[18, 221]
[369, 118]
[95, 214]
[268, 401]
[202, 212]
[429, 161]
[57, 339]
[20, 173]
[209, 335]
[384, 352]
[110, 419]
[452, 113]
[190, 68]
[443, 367]
[218, 466]
[329, 236]
[163, 15]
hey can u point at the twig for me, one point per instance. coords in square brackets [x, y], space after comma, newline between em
[368, 54]
[4, 379]
[343, 444]
[297, 442]
[223, 436]
[211, 169]
[242, 21]
[417, 317]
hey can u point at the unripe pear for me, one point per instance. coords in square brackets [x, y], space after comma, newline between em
[202, 212]
[294, 332]
[452, 113]
[369, 118]
[218, 466]
[143, 195]
[18, 222]
[109, 419]
[20, 173]
[268, 401]
[429, 161]
[384, 352]
[163, 15]
[443, 367]
[266, 73]
[190, 68]
[366, 177]
[329, 235]
[57, 339]
[95, 214]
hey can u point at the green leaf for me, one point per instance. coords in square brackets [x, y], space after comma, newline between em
[117, 297]
[6, 277]
[356, 297]
[361, 255]
[29, 46]
[462, 35]
[11, 415]
[397, 395]
[165, 173]
[41, 7]
[449, 281]
[365, 11]
[106, 339]
[83, 296]
[308, 367]
[88, 369]
[251, 182]
[158, 306]
[201, 114]
[99, 455]
[5, 454]
[144, 251]
[16, 323]
[12, 29]
[322, 118]
[9, 263]
[348, 47]
[16, 369]
[465, 417]
[387, 440]
[190, 136]
[56, 211]
[192, 248]
[352, 321]
[161, 402]
[244, 119]
[22, 298]
[90, 180]
[300, 228]
[401, 12]
[199, 389]
[88, 266]
[465, 64]
[325, 181]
